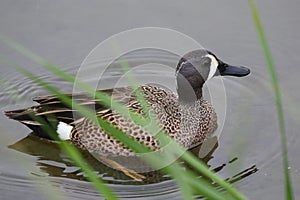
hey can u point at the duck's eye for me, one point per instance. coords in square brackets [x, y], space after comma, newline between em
[206, 61]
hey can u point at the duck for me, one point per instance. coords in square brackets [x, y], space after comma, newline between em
[185, 116]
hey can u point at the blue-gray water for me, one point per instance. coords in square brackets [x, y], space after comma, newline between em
[65, 32]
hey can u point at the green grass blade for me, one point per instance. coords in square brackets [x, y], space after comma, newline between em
[189, 158]
[134, 145]
[277, 94]
[75, 155]
[196, 185]
[189, 183]
[134, 84]
[73, 152]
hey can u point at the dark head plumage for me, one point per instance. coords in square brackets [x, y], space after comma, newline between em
[198, 66]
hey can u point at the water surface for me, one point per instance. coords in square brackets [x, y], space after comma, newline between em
[248, 151]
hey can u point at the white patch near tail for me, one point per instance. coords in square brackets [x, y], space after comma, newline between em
[64, 130]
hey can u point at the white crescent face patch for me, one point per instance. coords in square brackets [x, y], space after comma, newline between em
[213, 66]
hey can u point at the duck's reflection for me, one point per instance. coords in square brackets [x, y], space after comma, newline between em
[55, 163]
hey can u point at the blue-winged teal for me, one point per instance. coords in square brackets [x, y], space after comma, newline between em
[187, 118]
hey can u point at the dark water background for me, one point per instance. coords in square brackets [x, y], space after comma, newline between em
[65, 32]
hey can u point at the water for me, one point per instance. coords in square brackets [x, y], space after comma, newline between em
[248, 151]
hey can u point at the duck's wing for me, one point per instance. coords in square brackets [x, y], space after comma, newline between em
[122, 95]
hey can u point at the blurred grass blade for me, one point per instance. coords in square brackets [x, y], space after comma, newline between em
[71, 150]
[134, 145]
[134, 84]
[275, 84]
[201, 167]
[189, 183]
[76, 157]
[186, 156]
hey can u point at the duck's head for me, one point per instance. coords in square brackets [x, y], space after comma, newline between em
[198, 66]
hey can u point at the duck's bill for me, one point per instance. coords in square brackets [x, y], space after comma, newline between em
[229, 70]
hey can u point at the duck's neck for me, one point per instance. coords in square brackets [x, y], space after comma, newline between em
[189, 85]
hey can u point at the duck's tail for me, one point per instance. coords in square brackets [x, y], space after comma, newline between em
[41, 121]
